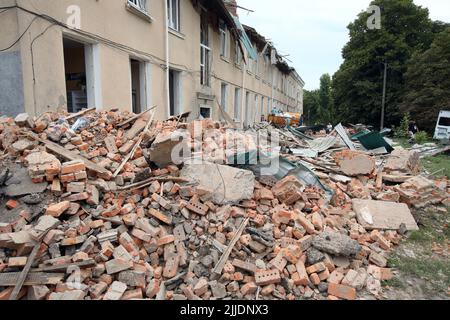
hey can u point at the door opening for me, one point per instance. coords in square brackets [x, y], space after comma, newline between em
[136, 86]
[76, 75]
[175, 92]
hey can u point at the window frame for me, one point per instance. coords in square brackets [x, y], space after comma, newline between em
[224, 39]
[224, 95]
[205, 50]
[238, 54]
[141, 5]
[237, 105]
[174, 24]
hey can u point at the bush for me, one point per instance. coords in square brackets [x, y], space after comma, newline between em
[421, 137]
[402, 130]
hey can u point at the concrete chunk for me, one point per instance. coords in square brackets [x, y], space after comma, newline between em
[229, 185]
[383, 215]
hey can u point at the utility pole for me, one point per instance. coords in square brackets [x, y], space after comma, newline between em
[383, 103]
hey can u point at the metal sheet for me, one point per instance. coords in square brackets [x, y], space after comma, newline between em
[307, 153]
[322, 144]
[341, 132]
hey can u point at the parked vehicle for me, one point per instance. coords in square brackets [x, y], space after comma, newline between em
[443, 126]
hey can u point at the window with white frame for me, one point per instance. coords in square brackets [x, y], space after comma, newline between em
[205, 50]
[223, 39]
[237, 105]
[173, 14]
[139, 4]
[223, 96]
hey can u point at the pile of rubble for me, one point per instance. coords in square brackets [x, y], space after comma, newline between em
[94, 207]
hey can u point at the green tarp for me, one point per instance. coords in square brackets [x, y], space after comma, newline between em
[374, 140]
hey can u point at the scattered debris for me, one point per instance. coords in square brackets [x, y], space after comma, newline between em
[96, 208]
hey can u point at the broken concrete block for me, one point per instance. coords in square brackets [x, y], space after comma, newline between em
[164, 144]
[23, 119]
[229, 185]
[403, 161]
[336, 244]
[383, 215]
[354, 163]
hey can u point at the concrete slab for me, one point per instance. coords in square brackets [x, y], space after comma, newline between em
[229, 185]
[383, 215]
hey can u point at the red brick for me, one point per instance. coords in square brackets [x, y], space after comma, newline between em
[317, 268]
[341, 291]
[249, 288]
[72, 167]
[303, 278]
[165, 240]
[264, 278]
[12, 204]
[314, 277]
[171, 267]
[160, 216]
[58, 209]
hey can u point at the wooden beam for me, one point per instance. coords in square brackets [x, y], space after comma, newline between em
[135, 117]
[23, 275]
[9, 279]
[224, 258]
[79, 114]
[63, 267]
[66, 154]
[136, 146]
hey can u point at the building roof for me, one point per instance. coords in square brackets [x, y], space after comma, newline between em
[262, 42]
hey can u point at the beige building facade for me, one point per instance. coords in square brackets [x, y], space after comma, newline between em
[179, 55]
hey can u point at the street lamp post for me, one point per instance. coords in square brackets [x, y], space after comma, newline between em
[383, 103]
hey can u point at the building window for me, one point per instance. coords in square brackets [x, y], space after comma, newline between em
[223, 96]
[205, 112]
[139, 4]
[237, 105]
[205, 50]
[173, 8]
[223, 39]
[238, 54]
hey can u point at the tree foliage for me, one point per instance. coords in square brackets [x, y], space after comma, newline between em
[357, 86]
[427, 89]
[318, 104]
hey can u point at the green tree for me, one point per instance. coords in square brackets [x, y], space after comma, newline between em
[427, 89]
[326, 111]
[357, 86]
[311, 106]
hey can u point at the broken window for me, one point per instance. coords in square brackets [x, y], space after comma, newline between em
[205, 50]
[173, 14]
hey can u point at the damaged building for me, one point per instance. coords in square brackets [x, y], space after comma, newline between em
[179, 55]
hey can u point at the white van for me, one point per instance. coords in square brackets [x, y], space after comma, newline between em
[443, 126]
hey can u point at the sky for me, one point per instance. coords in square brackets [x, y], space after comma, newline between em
[313, 32]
